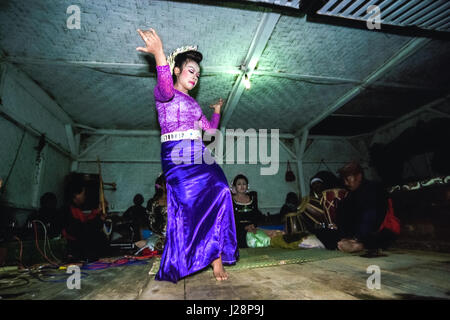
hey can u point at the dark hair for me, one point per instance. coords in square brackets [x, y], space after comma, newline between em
[74, 185]
[48, 199]
[351, 169]
[181, 58]
[138, 199]
[239, 176]
[330, 181]
[159, 187]
[292, 198]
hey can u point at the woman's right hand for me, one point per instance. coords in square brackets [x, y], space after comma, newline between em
[153, 43]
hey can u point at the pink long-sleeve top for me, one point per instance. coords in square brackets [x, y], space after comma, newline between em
[178, 111]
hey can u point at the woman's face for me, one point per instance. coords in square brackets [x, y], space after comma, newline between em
[241, 186]
[188, 77]
[80, 198]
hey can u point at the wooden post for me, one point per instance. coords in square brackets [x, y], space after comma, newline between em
[300, 150]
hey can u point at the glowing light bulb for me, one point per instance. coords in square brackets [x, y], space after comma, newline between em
[246, 82]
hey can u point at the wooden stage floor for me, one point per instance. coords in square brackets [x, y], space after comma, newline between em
[405, 274]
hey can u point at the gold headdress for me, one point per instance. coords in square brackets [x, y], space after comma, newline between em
[171, 57]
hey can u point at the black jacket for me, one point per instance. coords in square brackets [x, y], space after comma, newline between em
[362, 212]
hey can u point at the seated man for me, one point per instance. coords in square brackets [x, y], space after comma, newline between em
[83, 230]
[313, 213]
[316, 217]
[365, 217]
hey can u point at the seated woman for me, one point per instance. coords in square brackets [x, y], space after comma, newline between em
[246, 212]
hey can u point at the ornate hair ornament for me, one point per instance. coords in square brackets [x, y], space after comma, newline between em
[171, 57]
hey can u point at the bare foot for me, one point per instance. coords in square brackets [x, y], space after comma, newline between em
[350, 246]
[218, 270]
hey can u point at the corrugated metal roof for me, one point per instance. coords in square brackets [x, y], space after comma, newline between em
[425, 14]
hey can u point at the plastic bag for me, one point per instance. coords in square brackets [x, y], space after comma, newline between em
[257, 240]
[289, 176]
[310, 242]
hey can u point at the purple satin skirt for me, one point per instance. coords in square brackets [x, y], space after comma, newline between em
[200, 216]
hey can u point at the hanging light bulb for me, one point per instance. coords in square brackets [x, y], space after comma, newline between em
[246, 82]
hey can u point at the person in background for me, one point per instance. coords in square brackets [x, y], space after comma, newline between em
[246, 212]
[83, 230]
[316, 188]
[328, 180]
[315, 216]
[290, 205]
[365, 217]
[157, 208]
[157, 213]
[138, 217]
[49, 215]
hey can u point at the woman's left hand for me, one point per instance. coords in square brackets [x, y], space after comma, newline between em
[217, 105]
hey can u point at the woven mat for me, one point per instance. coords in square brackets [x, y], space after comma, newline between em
[269, 257]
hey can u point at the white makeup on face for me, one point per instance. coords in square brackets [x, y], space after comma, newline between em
[193, 69]
[188, 78]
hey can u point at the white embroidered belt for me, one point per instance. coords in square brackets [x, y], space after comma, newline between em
[180, 135]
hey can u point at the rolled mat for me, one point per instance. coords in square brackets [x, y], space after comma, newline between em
[269, 257]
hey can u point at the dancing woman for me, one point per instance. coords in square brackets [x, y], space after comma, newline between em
[200, 222]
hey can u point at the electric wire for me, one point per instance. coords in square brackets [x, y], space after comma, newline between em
[20, 263]
[47, 241]
[37, 245]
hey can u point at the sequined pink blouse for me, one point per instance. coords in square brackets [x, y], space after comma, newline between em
[178, 111]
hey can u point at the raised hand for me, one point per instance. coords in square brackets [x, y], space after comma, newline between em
[153, 45]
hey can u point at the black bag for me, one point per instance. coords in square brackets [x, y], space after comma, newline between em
[290, 176]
